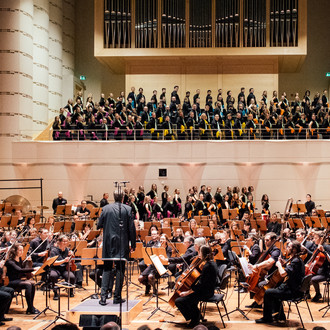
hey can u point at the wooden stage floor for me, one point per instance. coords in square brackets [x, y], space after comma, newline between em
[157, 321]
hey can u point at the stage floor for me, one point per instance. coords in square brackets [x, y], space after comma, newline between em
[157, 320]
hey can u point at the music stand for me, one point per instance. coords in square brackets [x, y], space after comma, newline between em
[95, 212]
[80, 223]
[239, 286]
[238, 234]
[181, 247]
[325, 222]
[42, 225]
[298, 208]
[14, 221]
[67, 226]
[167, 231]
[161, 271]
[60, 210]
[68, 209]
[320, 213]
[45, 268]
[89, 257]
[313, 222]
[217, 253]
[4, 220]
[136, 254]
[296, 223]
[261, 224]
[93, 234]
[59, 226]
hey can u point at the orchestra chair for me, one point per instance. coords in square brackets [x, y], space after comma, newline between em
[223, 281]
[216, 299]
[303, 297]
[19, 293]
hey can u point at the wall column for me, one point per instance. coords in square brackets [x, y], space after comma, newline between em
[40, 64]
[16, 69]
[55, 57]
[68, 50]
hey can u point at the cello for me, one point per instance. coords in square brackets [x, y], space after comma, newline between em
[187, 279]
[253, 279]
[317, 259]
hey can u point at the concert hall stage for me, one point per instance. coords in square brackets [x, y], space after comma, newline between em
[92, 307]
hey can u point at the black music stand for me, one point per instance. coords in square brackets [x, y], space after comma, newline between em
[46, 268]
[161, 271]
[58, 316]
[233, 258]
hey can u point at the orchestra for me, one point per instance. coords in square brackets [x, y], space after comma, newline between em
[200, 229]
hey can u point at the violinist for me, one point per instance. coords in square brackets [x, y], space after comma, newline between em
[295, 271]
[308, 245]
[6, 296]
[225, 243]
[252, 249]
[29, 224]
[323, 271]
[246, 228]
[213, 208]
[60, 266]
[178, 236]
[39, 246]
[203, 289]
[17, 274]
[192, 226]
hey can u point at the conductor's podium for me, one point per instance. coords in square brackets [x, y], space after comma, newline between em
[92, 307]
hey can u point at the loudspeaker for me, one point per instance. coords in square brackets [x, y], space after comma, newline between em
[162, 172]
[95, 322]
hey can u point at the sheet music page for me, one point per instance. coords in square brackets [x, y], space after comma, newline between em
[244, 264]
[158, 264]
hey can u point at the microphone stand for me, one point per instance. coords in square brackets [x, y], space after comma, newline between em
[119, 185]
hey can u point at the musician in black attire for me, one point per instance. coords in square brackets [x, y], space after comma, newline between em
[203, 289]
[6, 296]
[149, 271]
[254, 250]
[310, 205]
[59, 201]
[39, 247]
[295, 270]
[17, 274]
[104, 200]
[60, 266]
[187, 258]
[323, 272]
[308, 245]
[274, 226]
[268, 264]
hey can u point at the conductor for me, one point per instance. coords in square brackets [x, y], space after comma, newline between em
[117, 222]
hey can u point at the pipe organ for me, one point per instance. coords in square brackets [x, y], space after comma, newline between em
[200, 23]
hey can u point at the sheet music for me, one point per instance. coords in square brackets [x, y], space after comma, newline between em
[158, 264]
[245, 266]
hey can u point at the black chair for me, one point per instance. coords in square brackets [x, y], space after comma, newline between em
[223, 281]
[216, 299]
[304, 290]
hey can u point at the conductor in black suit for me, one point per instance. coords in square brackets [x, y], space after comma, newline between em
[113, 246]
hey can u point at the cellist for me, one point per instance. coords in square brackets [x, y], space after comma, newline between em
[204, 288]
[323, 271]
[295, 270]
[268, 265]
